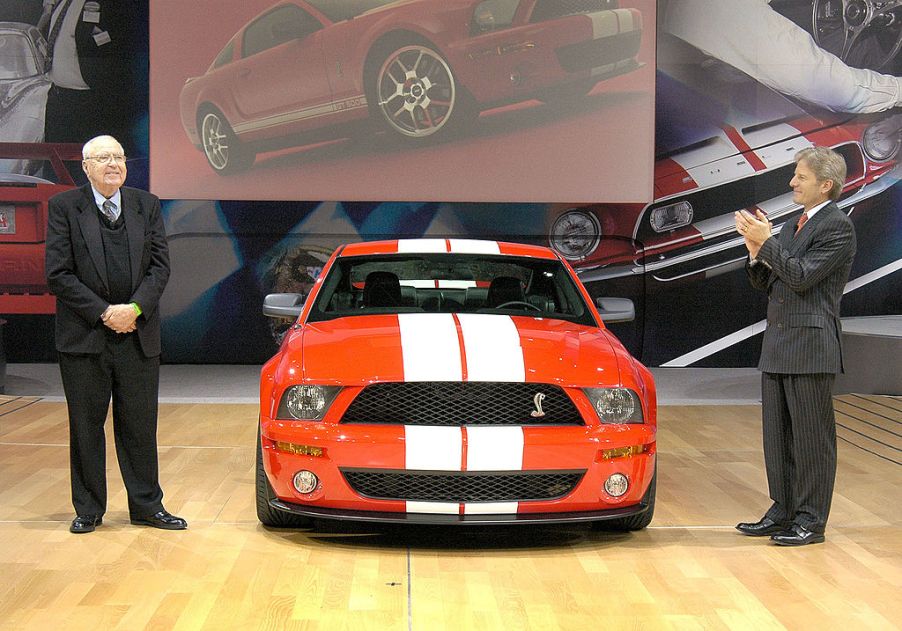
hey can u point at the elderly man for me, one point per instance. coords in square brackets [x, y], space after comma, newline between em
[803, 270]
[107, 263]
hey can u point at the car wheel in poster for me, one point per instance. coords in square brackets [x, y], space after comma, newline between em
[225, 153]
[417, 95]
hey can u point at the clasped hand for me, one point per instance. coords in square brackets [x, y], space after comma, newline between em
[755, 229]
[120, 318]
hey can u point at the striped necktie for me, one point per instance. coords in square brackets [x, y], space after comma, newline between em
[109, 210]
[55, 31]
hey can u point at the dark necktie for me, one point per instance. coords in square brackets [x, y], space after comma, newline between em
[55, 31]
[802, 221]
[109, 211]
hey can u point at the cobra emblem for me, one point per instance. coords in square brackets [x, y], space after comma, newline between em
[537, 401]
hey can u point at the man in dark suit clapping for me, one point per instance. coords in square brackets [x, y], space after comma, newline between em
[803, 270]
[107, 262]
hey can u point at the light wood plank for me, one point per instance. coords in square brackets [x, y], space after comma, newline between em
[689, 570]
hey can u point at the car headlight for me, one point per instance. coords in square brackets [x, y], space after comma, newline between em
[671, 216]
[493, 14]
[306, 402]
[881, 140]
[616, 405]
[575, 234]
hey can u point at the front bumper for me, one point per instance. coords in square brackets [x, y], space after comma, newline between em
[493, 456]
[316, 512]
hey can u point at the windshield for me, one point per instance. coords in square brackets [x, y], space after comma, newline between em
[338, 10]
[17, 58]
[450, 283]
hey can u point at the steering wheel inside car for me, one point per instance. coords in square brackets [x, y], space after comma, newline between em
[863, 33]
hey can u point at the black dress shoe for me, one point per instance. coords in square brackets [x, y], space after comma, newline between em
[85, 523]
[162, 520]
[766, 526]
[798, 535]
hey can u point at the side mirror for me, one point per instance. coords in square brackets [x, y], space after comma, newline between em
[283, 305]
[614, 310]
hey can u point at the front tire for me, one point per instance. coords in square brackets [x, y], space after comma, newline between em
[268, 515]
[224, 152]
[415, 94]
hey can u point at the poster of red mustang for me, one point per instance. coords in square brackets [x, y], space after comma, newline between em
[469, 100]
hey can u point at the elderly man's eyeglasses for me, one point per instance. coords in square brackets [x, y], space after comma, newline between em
[106, 158]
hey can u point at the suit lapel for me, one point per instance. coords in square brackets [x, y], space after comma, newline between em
[801, 240]
[134, 225]
[89, 223]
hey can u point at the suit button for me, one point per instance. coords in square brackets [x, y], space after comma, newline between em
[779, 325]
[780, 301]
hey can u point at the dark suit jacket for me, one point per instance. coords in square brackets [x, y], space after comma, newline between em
[804, 275]
[77, 273]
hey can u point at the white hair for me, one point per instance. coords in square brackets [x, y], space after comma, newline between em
[89, 146]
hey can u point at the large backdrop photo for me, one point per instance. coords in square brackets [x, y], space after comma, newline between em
[631, 170]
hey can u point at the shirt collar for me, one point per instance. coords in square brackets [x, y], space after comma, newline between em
[99, 199]
[810, 213]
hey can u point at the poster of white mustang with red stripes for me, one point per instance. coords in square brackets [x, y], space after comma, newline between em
[453, 381]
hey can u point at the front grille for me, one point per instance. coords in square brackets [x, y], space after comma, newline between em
[455, 403]
[462, 486]
[745, 192]
[551, 9]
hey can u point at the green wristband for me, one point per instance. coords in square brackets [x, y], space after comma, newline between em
[136, 308]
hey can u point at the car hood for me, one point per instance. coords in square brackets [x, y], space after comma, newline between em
[367, 349]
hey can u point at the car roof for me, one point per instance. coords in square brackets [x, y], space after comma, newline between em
[450, 246]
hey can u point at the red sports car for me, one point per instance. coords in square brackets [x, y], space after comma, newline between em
[418, 67]
[456, 382]
[23, 224]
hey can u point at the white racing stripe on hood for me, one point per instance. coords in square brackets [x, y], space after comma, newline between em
[492, 347]
[430, 347]
[611, 22]
[494, 448]
[781, 153]
[720, 171]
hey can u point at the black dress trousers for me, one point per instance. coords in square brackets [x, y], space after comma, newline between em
[122, 373]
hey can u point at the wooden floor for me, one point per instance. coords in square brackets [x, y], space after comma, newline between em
[689, 570]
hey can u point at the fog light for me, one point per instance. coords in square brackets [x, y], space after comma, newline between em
[616, 485]
[305, 482]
